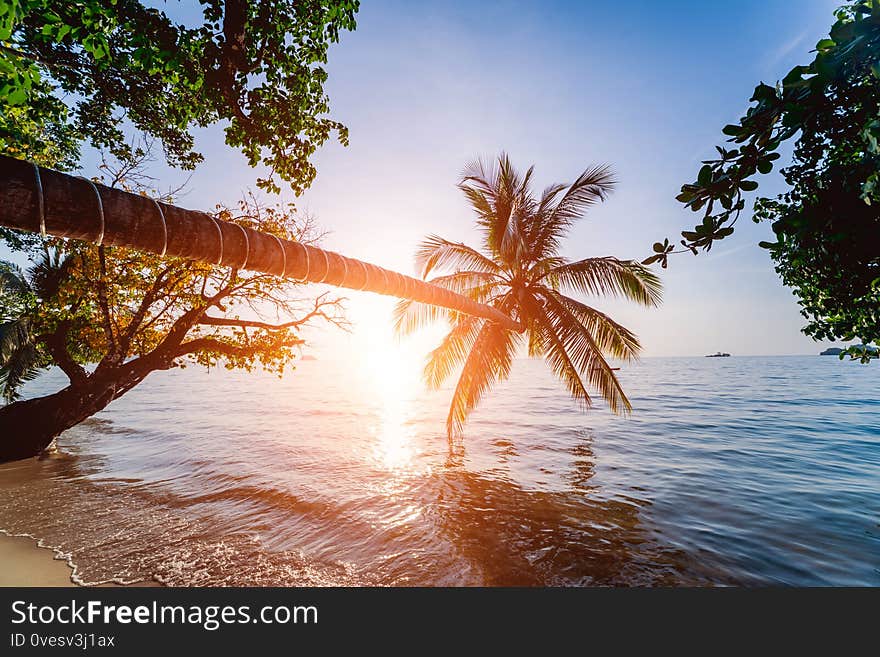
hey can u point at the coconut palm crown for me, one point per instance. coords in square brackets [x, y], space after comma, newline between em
[22, 356]
[520, 272]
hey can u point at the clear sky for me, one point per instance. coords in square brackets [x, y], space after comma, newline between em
[643, 86]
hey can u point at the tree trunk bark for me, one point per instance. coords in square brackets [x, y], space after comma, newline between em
[66, 206]
[29, 426]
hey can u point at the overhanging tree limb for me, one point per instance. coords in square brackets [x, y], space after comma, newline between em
[43, 200]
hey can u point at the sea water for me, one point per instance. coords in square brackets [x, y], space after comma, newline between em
[742, 470]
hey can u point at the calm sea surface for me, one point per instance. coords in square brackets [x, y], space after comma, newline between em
[757, 470]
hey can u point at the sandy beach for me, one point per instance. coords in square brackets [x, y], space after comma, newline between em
[26, 564]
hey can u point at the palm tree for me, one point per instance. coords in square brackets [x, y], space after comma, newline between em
[21, 353]
[520, 272]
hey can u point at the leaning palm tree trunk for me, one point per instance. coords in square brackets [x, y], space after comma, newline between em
[42, 200]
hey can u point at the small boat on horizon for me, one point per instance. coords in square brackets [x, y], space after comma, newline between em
[718, 355]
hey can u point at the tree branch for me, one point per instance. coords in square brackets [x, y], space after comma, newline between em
[211, 344]
[56, 343]
[234, 56]
[34, 58]
[102, 301]
[149, 298]
[317, 311]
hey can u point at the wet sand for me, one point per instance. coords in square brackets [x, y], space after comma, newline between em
[27, 564]
[22, 561]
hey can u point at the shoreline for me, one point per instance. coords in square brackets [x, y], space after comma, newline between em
[27, 564]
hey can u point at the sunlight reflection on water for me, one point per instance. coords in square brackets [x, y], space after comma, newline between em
[752, 470]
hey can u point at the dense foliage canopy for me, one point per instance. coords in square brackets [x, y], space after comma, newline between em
[86, 69]
[827, 225]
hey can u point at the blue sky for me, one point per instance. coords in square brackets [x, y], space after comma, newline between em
[643, 86]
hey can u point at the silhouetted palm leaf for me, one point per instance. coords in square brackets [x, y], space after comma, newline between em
[522, 274]
[585, 354]
[608, 276]
[556, 216]
[435, 252]
[452, 352]
[12, 280]
[612, 338]
[488, 361]
[20, 357]
[47, 274]
[13, 334]
[23, 365]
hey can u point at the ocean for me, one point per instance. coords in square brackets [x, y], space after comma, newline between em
[730, 471]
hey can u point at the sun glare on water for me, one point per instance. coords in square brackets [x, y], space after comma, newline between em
[392, 371]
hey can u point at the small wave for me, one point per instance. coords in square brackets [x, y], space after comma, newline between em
[106, 534]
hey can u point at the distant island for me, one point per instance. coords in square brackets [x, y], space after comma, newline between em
[836, 351]
[718, 355]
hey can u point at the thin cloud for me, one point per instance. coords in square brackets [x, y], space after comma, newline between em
[786, 49]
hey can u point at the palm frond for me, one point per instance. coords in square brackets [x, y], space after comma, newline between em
[488, 361]
[436, 252]
[452, 351]
[592, 186]
[608, 276]
[482, 176]
[477, 285]
[14, 334]
[12, 280]
[409, 316]
[557, 216]
[549, 197]
[613, 339]
[480, 202]
[544, 338]
[23, 365]
[565, 332]
[537, 349]
[499, 195]
[542, 267]
[47, 274]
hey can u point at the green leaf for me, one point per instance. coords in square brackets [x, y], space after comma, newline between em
[658, 248]
[748, 185]
[17, 96]
[705, 175]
